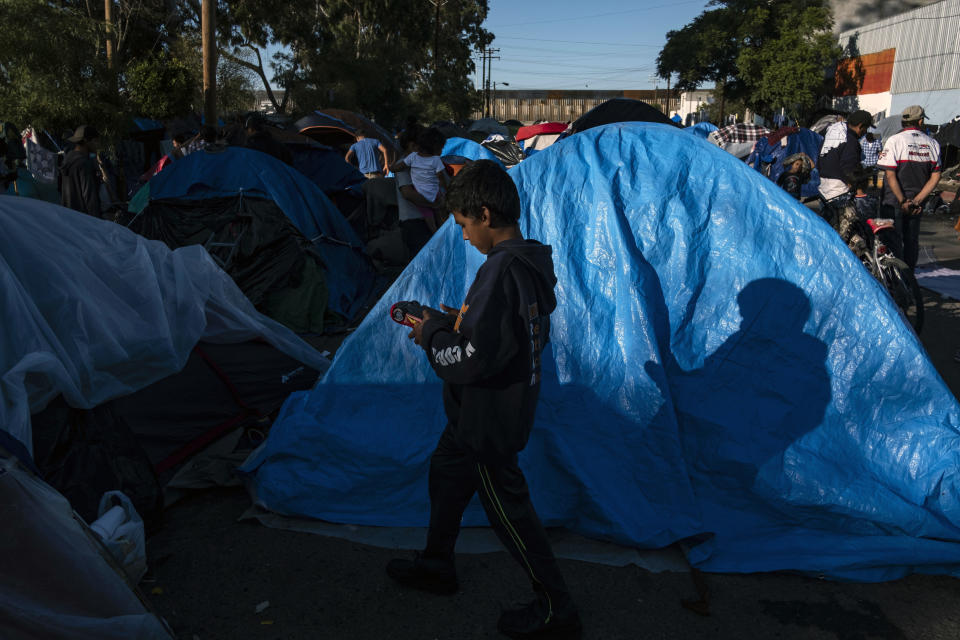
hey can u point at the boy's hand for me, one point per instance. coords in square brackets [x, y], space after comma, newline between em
[416, 332]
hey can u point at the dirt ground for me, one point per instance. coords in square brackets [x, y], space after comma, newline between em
[210, 574]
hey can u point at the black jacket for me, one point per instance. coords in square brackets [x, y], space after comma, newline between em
[489, 358]
[841, 161]
[79, 185]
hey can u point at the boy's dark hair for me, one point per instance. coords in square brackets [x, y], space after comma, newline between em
[181, 137]
[483, 183]
[431, 141]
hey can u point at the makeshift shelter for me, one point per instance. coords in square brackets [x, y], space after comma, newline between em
[702, 129]
[369, 128]
[721, 366]
[620, 110]
[288, 248]
[505, 150]
[326, 129]
[488, 126]
[738, 139]
[888, 127]
[56, 580]
[103, 330]
[770, 152]
[538, 137]
[468, 149]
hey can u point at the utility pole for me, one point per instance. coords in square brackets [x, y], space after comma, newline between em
[108, 19]
[208, 27]
[487, 99]
[436, 33]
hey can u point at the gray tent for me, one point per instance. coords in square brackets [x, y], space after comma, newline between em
[57, 581]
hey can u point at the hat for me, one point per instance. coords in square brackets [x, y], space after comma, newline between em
[84, 133]
[912, 113]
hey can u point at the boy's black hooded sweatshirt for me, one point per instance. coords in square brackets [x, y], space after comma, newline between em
[489, 358]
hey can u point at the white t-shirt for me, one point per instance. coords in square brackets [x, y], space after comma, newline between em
[423, 172]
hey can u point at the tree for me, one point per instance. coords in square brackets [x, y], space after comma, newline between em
[161, 86]
[51, 73]
[771, 55]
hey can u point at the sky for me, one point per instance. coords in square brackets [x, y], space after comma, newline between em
[602, 44]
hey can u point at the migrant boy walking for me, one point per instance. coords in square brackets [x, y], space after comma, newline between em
[488, 356]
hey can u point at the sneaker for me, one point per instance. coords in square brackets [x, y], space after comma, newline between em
[536, 620]
[426, 573]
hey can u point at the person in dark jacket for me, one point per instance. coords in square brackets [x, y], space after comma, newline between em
[488, 355]
[79, 184]
[840, 153]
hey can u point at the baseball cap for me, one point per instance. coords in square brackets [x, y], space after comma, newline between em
[84, 133]
[913, 112]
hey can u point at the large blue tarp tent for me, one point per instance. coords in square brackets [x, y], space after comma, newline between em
[236, 171]
[721, 364]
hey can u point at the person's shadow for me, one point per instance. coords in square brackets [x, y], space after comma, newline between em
[764, 388]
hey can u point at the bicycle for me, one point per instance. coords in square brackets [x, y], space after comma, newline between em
[876, 242]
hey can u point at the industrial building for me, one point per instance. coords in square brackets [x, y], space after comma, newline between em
[906, 59]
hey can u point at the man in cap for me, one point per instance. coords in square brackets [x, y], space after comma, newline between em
[911, 163]
[840, 153]
[79, 184]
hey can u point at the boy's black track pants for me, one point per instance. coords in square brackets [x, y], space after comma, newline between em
[455, 475]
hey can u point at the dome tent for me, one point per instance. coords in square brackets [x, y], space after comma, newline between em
[293, 242]
[704, 377]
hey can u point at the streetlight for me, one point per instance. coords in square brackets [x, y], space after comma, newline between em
[506, 84]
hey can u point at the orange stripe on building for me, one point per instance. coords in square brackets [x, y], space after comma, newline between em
[870, 73]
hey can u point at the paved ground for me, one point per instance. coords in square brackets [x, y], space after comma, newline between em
[210, 573]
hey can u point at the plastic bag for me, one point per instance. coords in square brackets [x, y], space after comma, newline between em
[121, 528]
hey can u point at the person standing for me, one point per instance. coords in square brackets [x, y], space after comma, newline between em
[911, 163]
[840, 153]
[364, 151]
[79, 184]
[870, 148]
[488, 354]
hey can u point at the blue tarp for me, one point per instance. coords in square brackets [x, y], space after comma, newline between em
[721, 364]
[325, 167]
[768, 159]
[237, 170]
[468, 149]
[701, 129]
[93, 311]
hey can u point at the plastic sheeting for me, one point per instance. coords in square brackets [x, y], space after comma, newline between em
[94, 311]
[768, 159]
[721, 365]
[55, 582]
[468, 149]
[702, 129]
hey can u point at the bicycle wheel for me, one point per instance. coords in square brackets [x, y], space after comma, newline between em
[899, 280]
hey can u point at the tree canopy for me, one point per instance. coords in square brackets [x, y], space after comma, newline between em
[771, 55]
[373, 56]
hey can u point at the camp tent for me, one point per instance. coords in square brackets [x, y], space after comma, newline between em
[369, 128]
[619, 110]
[488, 126]
[702, 129]
[326, 129]
[56, 581]
[290, 250]
[463, 148]
[721, 366]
